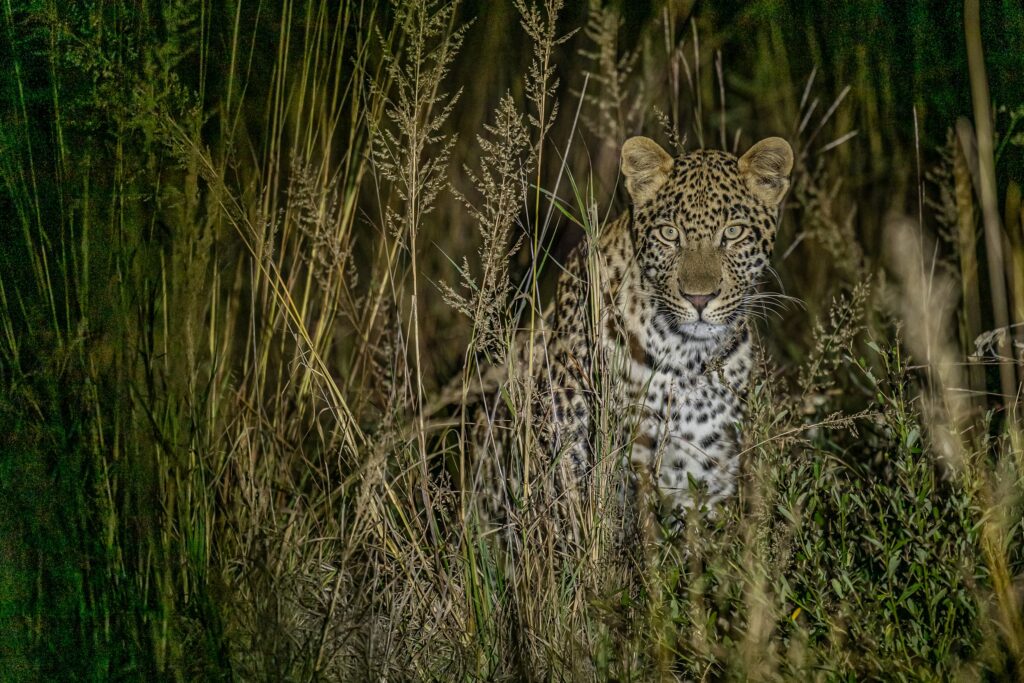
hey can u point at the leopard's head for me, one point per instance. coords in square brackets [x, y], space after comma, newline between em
[704, 227]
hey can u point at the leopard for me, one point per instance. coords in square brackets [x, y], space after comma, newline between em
[655, 309]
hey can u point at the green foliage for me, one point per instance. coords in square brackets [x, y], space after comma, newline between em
[883, 556]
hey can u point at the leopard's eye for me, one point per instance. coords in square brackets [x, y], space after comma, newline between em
[668, 233]
[734, 232]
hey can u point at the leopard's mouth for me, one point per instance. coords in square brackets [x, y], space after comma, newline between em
[693, 329]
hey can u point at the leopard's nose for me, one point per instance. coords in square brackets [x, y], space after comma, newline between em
[700, 301]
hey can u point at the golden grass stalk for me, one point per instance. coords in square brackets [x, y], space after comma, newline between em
[967, 240]
[987, 186]
[1014, 222]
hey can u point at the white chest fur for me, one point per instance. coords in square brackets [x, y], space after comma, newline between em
[689, 397]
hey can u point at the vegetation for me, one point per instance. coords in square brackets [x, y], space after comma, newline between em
[256, 255]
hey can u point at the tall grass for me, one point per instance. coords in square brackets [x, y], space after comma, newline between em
[262, 263]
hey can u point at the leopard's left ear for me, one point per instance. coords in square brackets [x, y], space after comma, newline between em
[646, 167]
[766, 167]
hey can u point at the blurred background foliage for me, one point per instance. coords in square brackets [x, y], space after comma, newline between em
[142, 320]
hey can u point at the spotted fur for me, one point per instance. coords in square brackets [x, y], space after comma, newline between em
[673, 276]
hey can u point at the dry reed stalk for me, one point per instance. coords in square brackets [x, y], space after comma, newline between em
[987, 184]
[1014, 222]
[967, 240]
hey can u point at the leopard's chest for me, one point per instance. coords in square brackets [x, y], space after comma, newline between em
[688, 426]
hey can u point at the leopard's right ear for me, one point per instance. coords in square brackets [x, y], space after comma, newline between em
[646, 167]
